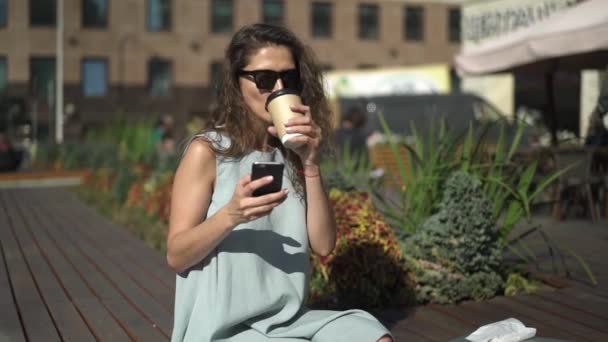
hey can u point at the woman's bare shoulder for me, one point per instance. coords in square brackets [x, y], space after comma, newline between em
[198, 157]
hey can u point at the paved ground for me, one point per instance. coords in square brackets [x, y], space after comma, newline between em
[66, 273]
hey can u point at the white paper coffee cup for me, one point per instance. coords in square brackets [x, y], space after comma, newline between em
[279, 105]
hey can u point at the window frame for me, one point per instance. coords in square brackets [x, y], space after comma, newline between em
[169, 62]
[32, 59]
[360, 34]
[330, 18]
[216, 21]
[4, 61]
[106, 20]
[106, 62]
[282, 19]
[169, 26]
[37, 25]
[407, 33]
[4, 24]
[451, 38]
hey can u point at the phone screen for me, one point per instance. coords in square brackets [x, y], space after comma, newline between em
[263, 169]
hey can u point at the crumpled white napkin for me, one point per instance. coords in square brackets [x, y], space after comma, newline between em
[508, 330]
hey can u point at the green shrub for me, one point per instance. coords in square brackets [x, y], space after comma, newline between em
[366, 269]
[456, 255]
[518, 284]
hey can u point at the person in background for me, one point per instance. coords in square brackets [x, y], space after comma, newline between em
[9, 157]
[162, 137]
[597, 134]
[351, 134]
[242, 262]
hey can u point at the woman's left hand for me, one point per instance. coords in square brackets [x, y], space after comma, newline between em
[310, 138]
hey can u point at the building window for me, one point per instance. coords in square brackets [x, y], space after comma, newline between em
[95, 13]
[272, 12]
[414, 23]
[94, 77]
[454, 25]
[368, 21]
[3, 11]
[159, 15]
[221, 16]
[43, 12]
[42, 77]
[3, 74]
[321, 19]
[159, 77]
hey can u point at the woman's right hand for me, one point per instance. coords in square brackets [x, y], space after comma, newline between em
[243, 207]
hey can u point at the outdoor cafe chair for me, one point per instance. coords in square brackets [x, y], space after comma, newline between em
[576, 184]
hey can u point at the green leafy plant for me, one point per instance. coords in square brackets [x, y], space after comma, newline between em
[349, 171]
[422, 170]
[518, 284]
[366, 269]
[511, 186]
[456, 254]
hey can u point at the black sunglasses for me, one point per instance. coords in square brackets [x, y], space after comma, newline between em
[266, 79]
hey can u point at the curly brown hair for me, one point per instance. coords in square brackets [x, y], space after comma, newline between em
[244, 130]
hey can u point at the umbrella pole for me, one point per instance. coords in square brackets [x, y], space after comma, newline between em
[549, 76]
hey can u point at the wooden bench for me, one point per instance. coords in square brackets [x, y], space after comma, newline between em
[382, 156]
[67, 273]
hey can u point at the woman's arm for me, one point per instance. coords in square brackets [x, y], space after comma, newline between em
[319, 215]
[192, 235]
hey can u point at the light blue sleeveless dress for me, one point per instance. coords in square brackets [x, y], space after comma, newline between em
[252, 287]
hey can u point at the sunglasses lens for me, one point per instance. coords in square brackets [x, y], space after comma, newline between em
[291, 79]
[266, 80]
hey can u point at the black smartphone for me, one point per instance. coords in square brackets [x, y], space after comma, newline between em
[263, 169]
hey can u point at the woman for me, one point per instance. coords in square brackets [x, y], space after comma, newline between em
[242, 261]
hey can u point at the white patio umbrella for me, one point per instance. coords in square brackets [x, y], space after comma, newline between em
[579, 33]
[574, 39]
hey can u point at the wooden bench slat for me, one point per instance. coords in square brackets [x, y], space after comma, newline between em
[478, 315]
[586, 302]
[66, 317]
[10, 325]
[138, 325]
[119, 280]
[424, 328]
[140, 329]
[407, 335]
[37, 321]
[118, 254]
[96, 316]
[497, 312]
[137, 251]
[555, 325]
[563, 311]
[448, 323]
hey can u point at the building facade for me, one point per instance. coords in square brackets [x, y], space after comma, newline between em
[147, 57]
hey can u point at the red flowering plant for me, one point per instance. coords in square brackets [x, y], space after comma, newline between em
[366, 269]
